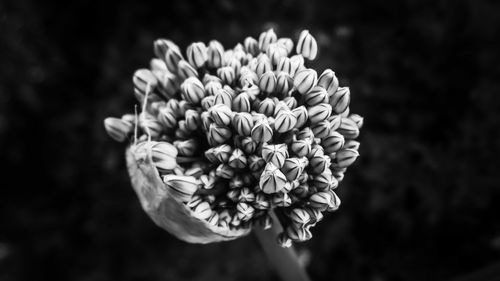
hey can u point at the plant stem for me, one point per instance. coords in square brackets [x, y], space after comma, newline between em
[284, 260]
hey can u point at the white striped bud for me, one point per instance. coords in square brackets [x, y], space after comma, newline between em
[222, 152]
[193, 119]
[213, 219]
[166, 83]
[267, 82]
[345, 157]
[207, 181]
[245, 211]
[287, 43]
[183, 187]
[224, 171]
[197, 54]
[301, 191]
[319, 112]
[285, 121]
[243, 123]
[348, 128]
[261, 202]
[280, 106]
[238, 160]
[318, 163]
[221, 114]
[202, 211]
[284, 65]
[226, 74]
[223, 97]
[307, 46]
[298, 233]
[325, 181]
[292, 168]
[275, 153]
[340, 99]
[236, 182]
[335, 121]
[219, 134]
[256, 163]
[167, 118]
[351, 144]
[214, 54]
[194, 172]
[320, 200]
[284, 83]
[241, 103]
[118, 129]
[321, 129]
[357, 119]
[192, 90]
[246, 195]
[261, 131]
[316, 96]
[266, 38]
[304, 80]
[144, 78]
[172, 59]
[161, 46]
[266, 107]
[150, 125]
[186, 70]
[263, 65]
[212, 87]
[329, 81]
[206, 103]
[333, 142]
[235, 221]
[251, 46]
[334, 203]
[301, 148]
[284, 241]
[157, 65]
[272, 179]
[236, 65]
[281, 199]
[276, 52]
[305, 134]
[299, 216]
[248, 145]
[296, 64]
[186, 147]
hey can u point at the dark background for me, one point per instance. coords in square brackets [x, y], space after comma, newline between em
[420, 203]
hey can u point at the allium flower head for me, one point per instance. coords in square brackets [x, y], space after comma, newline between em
[226, 135]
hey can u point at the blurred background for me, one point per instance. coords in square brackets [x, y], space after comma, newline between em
[421, 203]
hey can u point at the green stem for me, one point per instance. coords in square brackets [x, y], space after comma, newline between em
[284, 260]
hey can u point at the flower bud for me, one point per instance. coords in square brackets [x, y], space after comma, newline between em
[280, 106]
[325, 181]
[221, 114]
[333, 142]
[284, 83]
[222, 152]
[248, 145]
[238, 160]
[192, 90]
[346, 157]
[241, 103]
[316, 215]
[348, 128]
[266, 107]
[287, 43]
[187, 147]
[299, 216]
[224, 171]
[267, 82]
[193, 119]
[267, 38]
[214, 54]
[263, 66]
[213, 87]
[304, 80]
[307, 46]
[261, 131]
[301, 148]
[213, 219]
[305, 134]
[321, 129]
[142, 78]
[276, 154]
[357, 119]
[118, 129]
[252, 90]
[276, 52]
[246, 195]
[245, 211]
[185, 70]
[243, 123]
[167, 118]
[183, 187]
[320, 200]
[207, 181]
[284, 65]
[285, 121]
[197, 54]
[167, 85]
[236, 65]
[284, 241]
[172, 58]
[292, 168]
[319, 112]
[226, 74]
[150, 125]
[223, 97]
[251, 46]
[316, 96]
[329, 81]
[351, 144]
[334, 203]
[261, 202]
[219, 134]
[298, 233]
[161, 46]
[301, 191]
[335, 121]
[281, 199]
[272, 180]
[340, 99]
[297, 64]
[202, 211]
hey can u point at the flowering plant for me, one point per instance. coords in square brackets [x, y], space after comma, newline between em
[227, 137]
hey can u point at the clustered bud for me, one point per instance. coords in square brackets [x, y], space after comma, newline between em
[238, 132]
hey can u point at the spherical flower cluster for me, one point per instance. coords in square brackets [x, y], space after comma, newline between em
[240, 132]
